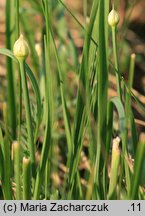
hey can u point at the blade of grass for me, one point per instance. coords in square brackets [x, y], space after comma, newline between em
[85, 10]
[47, 135]
[65, 110]
[48, 105]
[102, 78]
[131, 92]
[38, 98]
[64, 106]
[80, 118]
[31, 143]
[115, 161]
[129, 114]
[139, 158]
[74, 17]
[26, 179]
[108, 145]
[124, 166]
[8, 53]
[6, 177]
[115, 52]
[1, 161]
[17, 19]
[10, 21]
[17, 168]
[133, 131]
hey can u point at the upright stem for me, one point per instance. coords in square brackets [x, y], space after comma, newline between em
[17, 18]
[85, 11]
[17, 168]
[115, 161]
[7, 169]
[26, 179]
[10, 75]
[116, 62]
[102, 94]
[128, 95]
[28, 115]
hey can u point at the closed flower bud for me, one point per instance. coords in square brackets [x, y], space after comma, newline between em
[113, 18]
[21, 49]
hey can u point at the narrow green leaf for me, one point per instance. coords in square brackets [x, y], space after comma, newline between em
[8, 53]
[139, 159]
[37, 95]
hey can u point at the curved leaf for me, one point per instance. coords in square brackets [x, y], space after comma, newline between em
[37, 94]
[8, 53]
[122, 123]
[118, 104]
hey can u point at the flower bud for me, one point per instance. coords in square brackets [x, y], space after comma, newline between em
[21, 49]
[113, 18]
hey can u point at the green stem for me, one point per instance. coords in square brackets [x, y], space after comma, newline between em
[10, 76]
[17, 18]
[47, 137]
[138, 167]
[19, 108]
[16, 150]
[131, 70]
[26, 179]
[102, 79]
[85, 11]
[28, 115]
[6, 171]
[116, 62]
[128, 115]
[114, 169]
[108, 143]
[130, 83]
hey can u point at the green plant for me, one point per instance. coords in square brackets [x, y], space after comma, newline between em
[71, 119]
